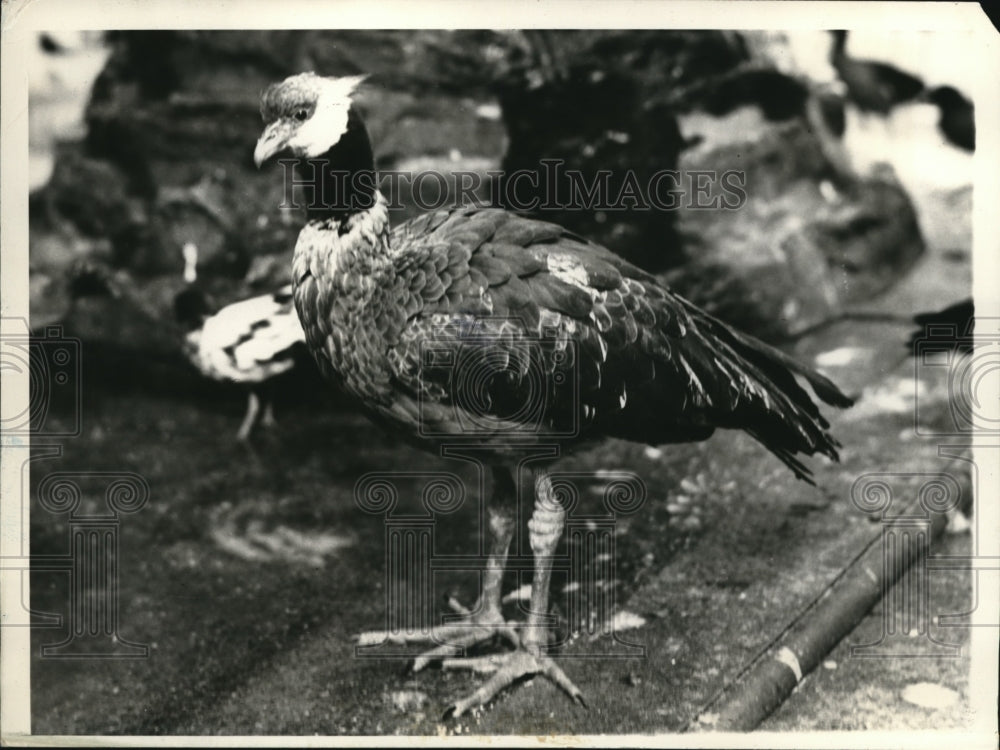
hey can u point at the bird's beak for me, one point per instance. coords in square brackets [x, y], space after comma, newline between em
[274, 139]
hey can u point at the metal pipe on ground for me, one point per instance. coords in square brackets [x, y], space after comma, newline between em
[764, 687]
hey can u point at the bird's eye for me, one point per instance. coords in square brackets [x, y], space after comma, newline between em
[301, 115]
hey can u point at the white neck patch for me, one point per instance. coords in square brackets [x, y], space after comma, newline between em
[324, 129]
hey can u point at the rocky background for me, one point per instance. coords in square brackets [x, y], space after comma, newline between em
[158, 156]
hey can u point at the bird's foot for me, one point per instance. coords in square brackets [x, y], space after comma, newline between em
[506, 670]
[452, 638]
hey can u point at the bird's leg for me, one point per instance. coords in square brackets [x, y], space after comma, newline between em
[265, 393]
[484, 619]
[253, 409]
[544, 529]
[267, 418]
[502, 513]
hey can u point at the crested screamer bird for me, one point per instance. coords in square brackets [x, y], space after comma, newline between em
[501, 299]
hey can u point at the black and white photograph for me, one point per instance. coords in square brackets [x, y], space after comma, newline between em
[565, 374]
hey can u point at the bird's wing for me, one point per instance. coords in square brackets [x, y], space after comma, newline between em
[498, 317]
[250, 340]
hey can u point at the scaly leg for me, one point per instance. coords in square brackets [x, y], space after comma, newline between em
[544, 528]
[253, 409]
[485, 619]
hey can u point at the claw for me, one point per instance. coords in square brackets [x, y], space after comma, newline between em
[554, 673]
[457, 606]
[507, 669]
[372, 637]
[481, 664]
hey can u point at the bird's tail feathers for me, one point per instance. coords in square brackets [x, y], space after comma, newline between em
[778, 412]
[822, 386]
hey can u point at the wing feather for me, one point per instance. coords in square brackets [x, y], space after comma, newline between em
[489, 312]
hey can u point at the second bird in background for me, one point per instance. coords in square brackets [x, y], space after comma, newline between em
[250, 342]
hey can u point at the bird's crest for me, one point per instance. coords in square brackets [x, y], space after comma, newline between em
[307, 90]
[306, 113]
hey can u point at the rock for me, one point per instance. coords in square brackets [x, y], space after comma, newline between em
[88, 198]
[48, 301]
[799, 247]
[869, 236]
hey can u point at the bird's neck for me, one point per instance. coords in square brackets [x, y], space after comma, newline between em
[341, 251]
[341, 182]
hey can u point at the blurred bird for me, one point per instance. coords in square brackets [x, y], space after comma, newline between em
[951, 328]
[250, 342]
[872, 86]
[957, 121]
[778, 95]
[483, 326]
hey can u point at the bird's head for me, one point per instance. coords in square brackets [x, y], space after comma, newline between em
[305, 114]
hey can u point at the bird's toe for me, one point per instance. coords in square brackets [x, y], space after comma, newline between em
[507, 669]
